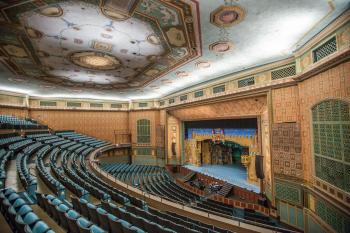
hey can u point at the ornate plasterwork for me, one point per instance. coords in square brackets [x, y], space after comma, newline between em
[227, 16]
[93, 44]
[221, 46]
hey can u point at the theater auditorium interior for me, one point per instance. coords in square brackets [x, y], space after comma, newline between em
[164, 116]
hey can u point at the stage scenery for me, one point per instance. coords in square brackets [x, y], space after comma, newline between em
[224, 149]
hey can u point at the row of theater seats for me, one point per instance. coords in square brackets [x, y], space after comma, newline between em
[19, 214]
[12, 122]
[134, 174]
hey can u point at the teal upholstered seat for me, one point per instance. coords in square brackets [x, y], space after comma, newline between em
[56, 201]
[24, 210]
[30, 218]
[101, 211]
[112, 217]
[136, 229]
[50, 197]
[83, 201]
[19, 202]
[124, 223]
[73, 214]
[92, 206]
[39, 227]
[62, 208]
[83, 222]
[96, 229]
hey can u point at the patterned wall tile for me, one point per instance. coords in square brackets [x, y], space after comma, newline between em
[286, 147]
[285, 104]
[331, 135]
[287, 192]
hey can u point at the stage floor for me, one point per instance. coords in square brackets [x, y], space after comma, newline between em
[232, 174]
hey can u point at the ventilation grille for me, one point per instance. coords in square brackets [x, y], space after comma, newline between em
[73, 104]
[326, 49]
[218, 89]
[246, 82]
[116, 105]
[283, 73]
[183, 97]
[143, 105]
[198, 94]
[48, 103]
[96, 105]
[171, 101]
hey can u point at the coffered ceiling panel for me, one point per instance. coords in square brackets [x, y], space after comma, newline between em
[141, 49]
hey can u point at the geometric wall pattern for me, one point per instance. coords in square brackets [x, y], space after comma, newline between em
[331, 138]
[143, 131]
[339, 222]
[286, 147]
[289, 193]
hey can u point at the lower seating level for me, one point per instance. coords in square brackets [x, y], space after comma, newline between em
[76, 199]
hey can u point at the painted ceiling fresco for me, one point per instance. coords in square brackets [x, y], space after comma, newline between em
[140, 49]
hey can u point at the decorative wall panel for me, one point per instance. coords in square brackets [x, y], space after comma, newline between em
[288, 192]
[331, 138]
[285, 104]
[333, 83]
[228, 109]
[338, 221]
[286, 146]
[100, 124]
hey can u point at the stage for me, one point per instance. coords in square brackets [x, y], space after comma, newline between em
[232, 174]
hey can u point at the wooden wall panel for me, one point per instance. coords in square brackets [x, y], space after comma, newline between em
[152, 115]
[234, 108]
[99, 124]
[333, 83]
[285, 104]
[19, 112]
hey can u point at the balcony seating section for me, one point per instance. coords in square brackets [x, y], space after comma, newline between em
[12, 122]
[19, 214]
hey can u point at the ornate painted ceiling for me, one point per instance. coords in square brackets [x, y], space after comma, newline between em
[141, 49]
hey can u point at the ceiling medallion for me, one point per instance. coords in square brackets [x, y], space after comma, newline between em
[221, 46]
[227, 16]
[95, 60]
[203, 64]
[51, 11]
